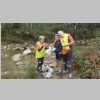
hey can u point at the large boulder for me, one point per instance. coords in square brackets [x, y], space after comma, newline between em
[19, 63]
[17, 57]
[5, 55]
[4, 47]
[47, 71]
[18, 47]
[27, 51]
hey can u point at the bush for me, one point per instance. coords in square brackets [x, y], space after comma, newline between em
[81, 31]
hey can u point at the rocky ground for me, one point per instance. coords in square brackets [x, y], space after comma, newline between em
[16, 65]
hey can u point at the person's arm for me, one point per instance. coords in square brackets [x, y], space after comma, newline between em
[45, 45]
[71, 40]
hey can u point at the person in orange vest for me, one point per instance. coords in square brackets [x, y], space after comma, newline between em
[40, 52]
[67, 41]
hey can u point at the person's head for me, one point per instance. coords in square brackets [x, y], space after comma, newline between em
[60, 33]
[41, 38]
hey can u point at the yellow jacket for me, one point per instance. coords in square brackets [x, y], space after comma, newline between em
[40, 50]
[40, 53]
[64, 42]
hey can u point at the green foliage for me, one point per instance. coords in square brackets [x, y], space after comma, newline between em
[19, 32]
[85, 68]
[31, 72]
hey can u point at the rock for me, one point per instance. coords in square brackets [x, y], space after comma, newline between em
[98, 53]
[6, 72]
[48, 71]
[17, 57]
[31, 46]
[6, 55]
[27, 33]
[53, 64]
[25, 44]
[27, 51]
[83, 42]
[19, 63]
[5, 47]
[18, 48]
[8, 47]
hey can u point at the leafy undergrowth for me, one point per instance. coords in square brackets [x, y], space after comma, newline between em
[86, 61]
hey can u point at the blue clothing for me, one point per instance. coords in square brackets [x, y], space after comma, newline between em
[68, 56]
[40, 63]
[58, 47]
[68, 59]
[58, 56]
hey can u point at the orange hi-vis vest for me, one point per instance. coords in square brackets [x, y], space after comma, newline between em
[64, 41]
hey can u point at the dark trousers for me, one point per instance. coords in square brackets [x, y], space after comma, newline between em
[67, 60]
[40, 63]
